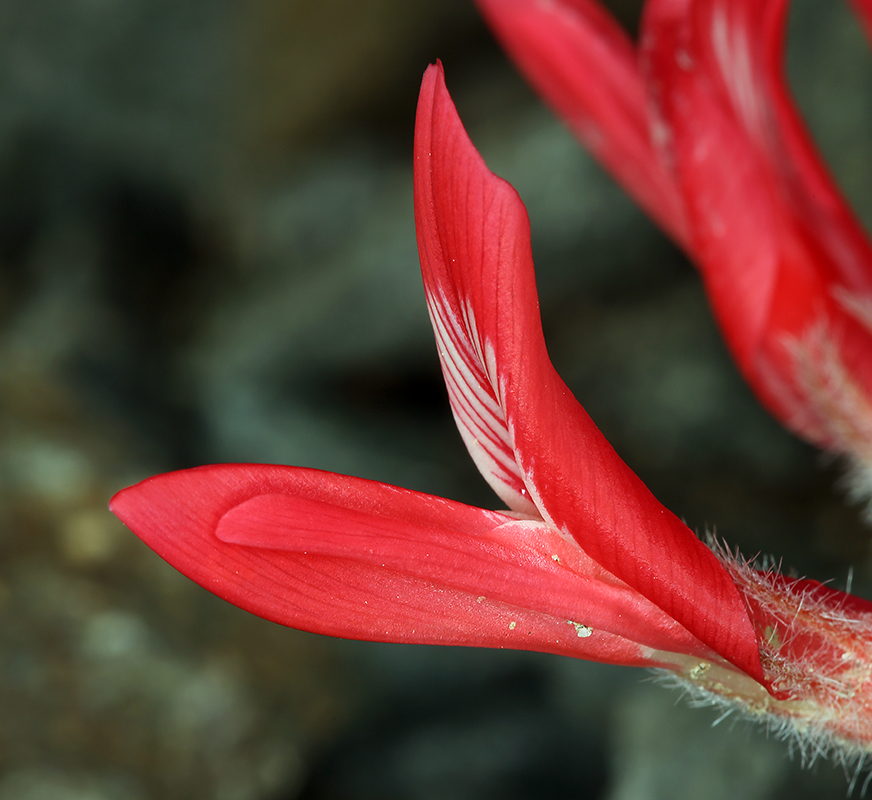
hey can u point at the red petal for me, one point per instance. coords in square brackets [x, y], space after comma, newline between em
[467, 359]
[353, 558]
[584, 65]
[774, 240]
[473, 238]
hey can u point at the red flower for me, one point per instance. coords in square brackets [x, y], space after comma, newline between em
[586, 563]
[698, 124]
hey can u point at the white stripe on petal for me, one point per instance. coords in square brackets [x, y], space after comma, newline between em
[469, 367]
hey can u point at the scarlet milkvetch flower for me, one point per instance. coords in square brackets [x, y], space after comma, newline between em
[585, 562]
[698, 125]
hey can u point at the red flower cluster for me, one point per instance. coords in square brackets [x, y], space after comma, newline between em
[698, 125]
[586, 562]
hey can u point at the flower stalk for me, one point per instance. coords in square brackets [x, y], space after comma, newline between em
[698, 124]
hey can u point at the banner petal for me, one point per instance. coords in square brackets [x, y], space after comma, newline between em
[474, 242]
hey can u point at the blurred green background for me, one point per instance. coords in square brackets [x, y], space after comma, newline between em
[207, 254]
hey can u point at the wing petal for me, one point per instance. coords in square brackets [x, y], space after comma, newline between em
[358, 559]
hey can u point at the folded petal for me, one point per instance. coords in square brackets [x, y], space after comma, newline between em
[778, 248]
[584, 65]
[474, 242]
[358, 559]
[456, 203]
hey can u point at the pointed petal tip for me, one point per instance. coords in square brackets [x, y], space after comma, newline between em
[115, 503]
[434, 76]
[124, 502]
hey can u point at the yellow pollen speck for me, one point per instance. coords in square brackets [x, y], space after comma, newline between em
[512, 625]
[699, 670]
[772, 636]
[582, 631]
